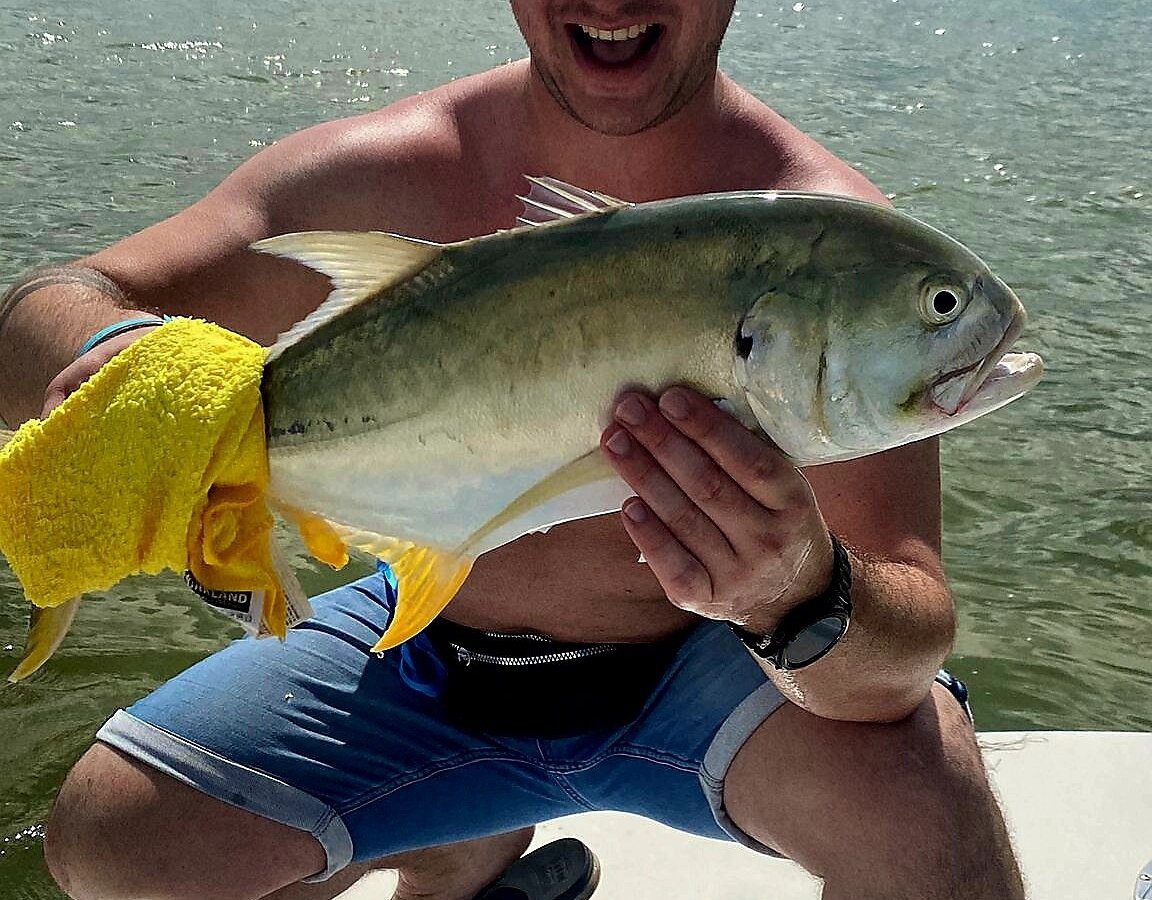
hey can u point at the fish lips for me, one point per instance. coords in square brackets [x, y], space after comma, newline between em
[991, 381]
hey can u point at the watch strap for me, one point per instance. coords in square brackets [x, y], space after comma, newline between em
[836, 600]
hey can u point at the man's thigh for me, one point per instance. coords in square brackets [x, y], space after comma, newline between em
[120, 828]
[319, 734]
[719, 751]
[847, 797]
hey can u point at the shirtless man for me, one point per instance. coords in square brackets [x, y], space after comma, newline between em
[858, 766]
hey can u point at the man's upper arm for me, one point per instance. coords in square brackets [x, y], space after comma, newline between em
[887, 504]
[198, 262]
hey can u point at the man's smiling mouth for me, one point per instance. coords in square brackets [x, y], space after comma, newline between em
[615, 47]
[615, 34]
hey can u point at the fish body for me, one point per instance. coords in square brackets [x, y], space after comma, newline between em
[448, 399]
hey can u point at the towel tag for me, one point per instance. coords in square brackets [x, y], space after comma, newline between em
[245, 607]
[297, 607]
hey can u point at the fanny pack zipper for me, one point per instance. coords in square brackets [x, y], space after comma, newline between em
[520, 636]
[467, 657]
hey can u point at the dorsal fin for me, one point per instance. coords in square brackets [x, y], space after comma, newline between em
[360, 263]
[550, 200]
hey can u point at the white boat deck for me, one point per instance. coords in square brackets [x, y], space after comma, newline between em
[1079, 805]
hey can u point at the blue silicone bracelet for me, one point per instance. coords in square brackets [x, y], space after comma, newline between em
[111, 331]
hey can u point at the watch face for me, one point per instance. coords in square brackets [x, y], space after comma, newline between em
[814, 641]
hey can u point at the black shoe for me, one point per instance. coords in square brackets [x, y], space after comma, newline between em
[562, 870]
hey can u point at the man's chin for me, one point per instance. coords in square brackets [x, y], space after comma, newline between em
[618, 112]
[615, 117]
[611, 127]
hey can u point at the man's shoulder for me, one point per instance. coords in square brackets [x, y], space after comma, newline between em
[431, 121]
[415, 128]
[425, 119]
[769, 152]
[374, 171]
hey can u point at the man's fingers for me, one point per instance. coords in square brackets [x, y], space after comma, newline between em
[684, 463]
[752, 462]
[84, 367]
[677, 512]
[51, 400]
[685, 581]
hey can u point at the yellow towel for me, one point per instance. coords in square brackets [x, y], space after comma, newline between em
[158, 462]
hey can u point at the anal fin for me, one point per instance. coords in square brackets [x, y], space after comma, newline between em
[428, 579]
[429, 576]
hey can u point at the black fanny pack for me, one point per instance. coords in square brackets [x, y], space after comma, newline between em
[525, 685]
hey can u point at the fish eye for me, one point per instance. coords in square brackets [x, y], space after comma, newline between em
[942, 303]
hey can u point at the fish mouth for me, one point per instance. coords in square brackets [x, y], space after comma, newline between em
[991, 381]
[617, 47]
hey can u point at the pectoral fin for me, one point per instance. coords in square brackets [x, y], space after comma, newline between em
[47, 628]
[537, 502]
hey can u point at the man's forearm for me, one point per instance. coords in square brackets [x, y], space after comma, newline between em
[902, 628]
[44, 320]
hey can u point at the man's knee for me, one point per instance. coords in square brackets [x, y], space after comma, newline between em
[82, 822]
[122, 829]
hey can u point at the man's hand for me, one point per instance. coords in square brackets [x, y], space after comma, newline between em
[727, 524]
[85, 366]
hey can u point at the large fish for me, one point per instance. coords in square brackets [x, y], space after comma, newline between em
[448, 398]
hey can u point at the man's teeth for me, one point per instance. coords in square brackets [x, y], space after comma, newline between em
[617, 34]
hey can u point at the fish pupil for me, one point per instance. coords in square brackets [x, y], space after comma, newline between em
[944, 303]
[743, 344]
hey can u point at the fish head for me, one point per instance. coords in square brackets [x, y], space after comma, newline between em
[887, 333]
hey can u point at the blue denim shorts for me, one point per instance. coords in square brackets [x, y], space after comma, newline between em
[319, 734]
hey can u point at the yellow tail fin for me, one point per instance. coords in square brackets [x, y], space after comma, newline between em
[45, 633]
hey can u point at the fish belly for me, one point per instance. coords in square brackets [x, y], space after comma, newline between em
[449, 487]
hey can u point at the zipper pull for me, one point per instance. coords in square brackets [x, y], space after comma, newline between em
[462, 655]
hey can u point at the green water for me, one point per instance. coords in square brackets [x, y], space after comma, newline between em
[1021, 127]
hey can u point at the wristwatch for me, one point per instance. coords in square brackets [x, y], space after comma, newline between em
[811, 629]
